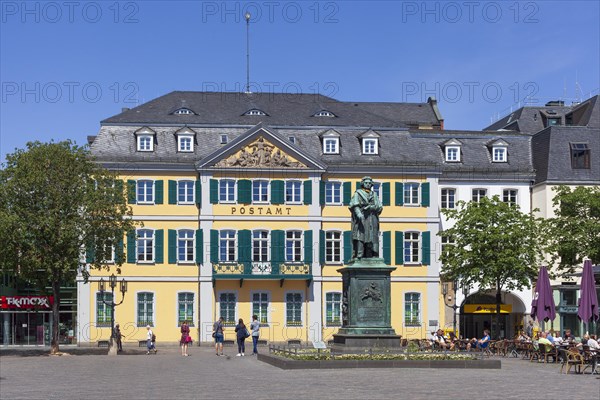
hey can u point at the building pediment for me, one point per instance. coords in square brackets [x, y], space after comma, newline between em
[261, 154]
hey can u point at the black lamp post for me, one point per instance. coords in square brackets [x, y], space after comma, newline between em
[454, 306]
[112, 282]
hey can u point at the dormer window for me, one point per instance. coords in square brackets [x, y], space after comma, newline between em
[185, 140]
[292, 139]
[255, 111]
[331, 145]
[580, 156]
[499, 151]
[369, 146]
[145, 139]
[224, 139]
[451, 150]
[184, 111]
[452, 153]
[324, 113]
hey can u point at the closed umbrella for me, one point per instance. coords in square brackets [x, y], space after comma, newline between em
[542, 305]
[588, 302]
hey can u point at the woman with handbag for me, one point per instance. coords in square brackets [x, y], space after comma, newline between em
[241, 334]
[185, 338]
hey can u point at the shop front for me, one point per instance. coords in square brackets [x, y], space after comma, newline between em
[479, 313]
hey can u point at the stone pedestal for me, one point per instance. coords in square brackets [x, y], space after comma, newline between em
[366, 308]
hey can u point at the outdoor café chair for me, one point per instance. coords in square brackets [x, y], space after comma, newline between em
[574, 359]
[534, 352]
[548, 351]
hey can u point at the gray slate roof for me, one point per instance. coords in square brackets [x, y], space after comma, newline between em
[282, 109]
[552, 154]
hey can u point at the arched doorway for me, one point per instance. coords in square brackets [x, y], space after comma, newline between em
[478, 311]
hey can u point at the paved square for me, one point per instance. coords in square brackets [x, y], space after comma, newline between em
[167, 375]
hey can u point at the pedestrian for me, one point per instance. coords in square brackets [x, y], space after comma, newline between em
[529, 329]
[150, 340]
[218, 335]
[241, 334]
[255, 328]
[118, 336]
[185, 338]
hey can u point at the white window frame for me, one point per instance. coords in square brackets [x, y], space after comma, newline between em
[268, 312]
[333, 185]
[420, 309]
[194, 308]
[264, 244]
[368, 149]
[152, 195]
[412, 252]
[268, 191]
[227, 247]
[191, 241]
[300, 240]
[235, 307]
[324, 113]
[452, 153]
[153, 247]
[333, 323]
[446, 242]
[137, 305]
[499, 154]
[476, 194]
[183, 111]
[180, 142]
[377, 188]
[336, 145]
[445, 200]
[190, 190]
[145, 143]
[229, 182]
[224, 138]
[301, 324]
[296, 190]
[340, 240]
[510, 191]
[408, 193]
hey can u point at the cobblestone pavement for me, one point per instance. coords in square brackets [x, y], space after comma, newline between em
[168, 375]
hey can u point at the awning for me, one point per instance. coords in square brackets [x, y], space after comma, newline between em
[486, 308]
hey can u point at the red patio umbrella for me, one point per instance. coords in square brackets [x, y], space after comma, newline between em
[588, 302]
[542, 305]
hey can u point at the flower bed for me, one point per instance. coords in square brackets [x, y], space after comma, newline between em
[310, 354]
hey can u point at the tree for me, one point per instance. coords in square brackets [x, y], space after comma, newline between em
[54, 202]
[495, 245]
[575, 229]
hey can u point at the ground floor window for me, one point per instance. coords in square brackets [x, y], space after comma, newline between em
[185, 308]
[145, 309]
[333, 308]
[412, 309]
[293, 309]
[260, 306]
[227, 303]
[103, 311]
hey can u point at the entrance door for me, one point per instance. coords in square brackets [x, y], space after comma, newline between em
[28, 328]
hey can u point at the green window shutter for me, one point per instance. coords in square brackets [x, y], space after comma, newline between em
[119, 251]
[159, 238]
[321, 247]
[399, 247]
[214, 191]
[347, 191]
[119, 186]
[198, 192]
[399, 194]
[89, 253]
[387, 247]
[308, 247]
[322, 193]
[385, 193]
[199, 246]
[244, 246]
[358, 185]
[159, 190]
[277, 246]
[214, 246]
[347, 246]
[425, 194]
[277, 192]
[244, 191]
[172, 246]
[308, 192]
[131, 242]
[172, 192]
[131, 188]
[426, 248]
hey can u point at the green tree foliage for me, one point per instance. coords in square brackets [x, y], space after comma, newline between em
[575, 229]
[496, 246]
[54, 203]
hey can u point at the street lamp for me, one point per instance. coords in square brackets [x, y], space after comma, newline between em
[112, 282]
[447, 298]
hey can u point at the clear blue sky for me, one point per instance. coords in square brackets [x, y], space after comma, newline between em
[66, 66]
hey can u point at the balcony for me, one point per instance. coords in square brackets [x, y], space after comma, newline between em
[262, 270]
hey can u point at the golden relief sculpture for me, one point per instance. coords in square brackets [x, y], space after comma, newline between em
[260, 154]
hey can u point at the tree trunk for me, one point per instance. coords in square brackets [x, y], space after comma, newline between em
[55, 317]
[496, 333]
